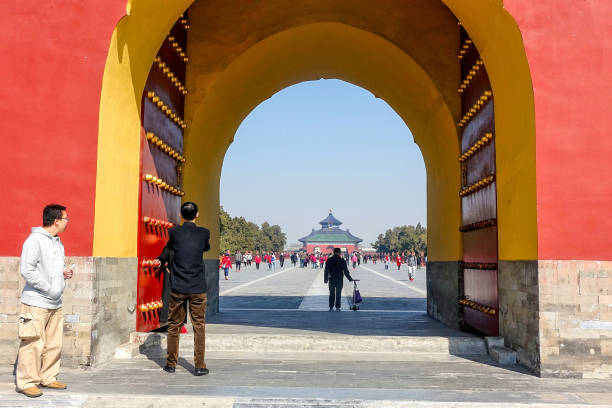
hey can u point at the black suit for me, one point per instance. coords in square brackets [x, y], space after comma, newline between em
[188, 243]
[335, 268]
[184, 252]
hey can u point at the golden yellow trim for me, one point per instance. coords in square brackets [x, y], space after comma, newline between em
[179, 50]
[464, 48]
[154, 222]
[468, 79]
[164, 147]
[476, 146]
[482, 101]
[480, 184]
[185, 23]
[166, 110]
[159, 182]
[170, 75]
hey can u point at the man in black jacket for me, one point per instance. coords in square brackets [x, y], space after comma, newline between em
[185, 249]
[335, 268]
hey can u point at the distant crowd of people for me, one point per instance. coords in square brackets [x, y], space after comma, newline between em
[227, 261]
[239, 259]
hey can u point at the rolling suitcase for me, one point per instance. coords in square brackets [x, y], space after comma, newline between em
[356, 296]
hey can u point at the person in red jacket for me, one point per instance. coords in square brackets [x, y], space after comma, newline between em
[398, 261]
[257, 261]
[268, 259]
[226, 264]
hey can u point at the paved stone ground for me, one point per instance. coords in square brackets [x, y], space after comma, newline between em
[286, 288]
[275, 302]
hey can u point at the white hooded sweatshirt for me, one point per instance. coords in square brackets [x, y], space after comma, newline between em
[42, 267]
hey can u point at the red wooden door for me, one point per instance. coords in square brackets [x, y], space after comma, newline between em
[478, 192]
[162, 159]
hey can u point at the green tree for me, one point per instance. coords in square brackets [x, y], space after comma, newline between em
[239, 234]
[404, 238]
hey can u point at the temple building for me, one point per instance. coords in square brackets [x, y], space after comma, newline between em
[330, 236]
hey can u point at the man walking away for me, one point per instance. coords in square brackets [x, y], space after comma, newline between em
[41, 322]
[335, 270]
[281, 259]
[188, 243]
[238, 260]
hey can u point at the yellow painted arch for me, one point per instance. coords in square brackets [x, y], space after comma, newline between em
[139, 35]
[341, 52]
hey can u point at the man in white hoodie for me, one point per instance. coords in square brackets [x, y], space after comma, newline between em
[41, 321]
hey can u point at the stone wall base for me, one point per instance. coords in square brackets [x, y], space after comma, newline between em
[444, 289]
[212, 283]
[517, 283]
[98, 307]
[575, 318]
[557, 315]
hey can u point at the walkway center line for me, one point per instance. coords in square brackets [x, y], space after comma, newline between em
[244, 285]
[317, 296]
[417, 290]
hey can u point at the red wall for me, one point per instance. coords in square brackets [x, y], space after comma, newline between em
[53, 55]
[569, 48]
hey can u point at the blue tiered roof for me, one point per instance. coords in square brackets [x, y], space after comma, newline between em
[330, 233]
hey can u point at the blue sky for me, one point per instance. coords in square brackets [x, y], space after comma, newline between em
[324, 145]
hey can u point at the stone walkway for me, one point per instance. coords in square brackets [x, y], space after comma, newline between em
[274, 344]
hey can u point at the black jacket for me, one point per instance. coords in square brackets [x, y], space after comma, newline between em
[334, 268]
[184, 253]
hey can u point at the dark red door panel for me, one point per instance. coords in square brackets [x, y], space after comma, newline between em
[478, 193]
[163, 124]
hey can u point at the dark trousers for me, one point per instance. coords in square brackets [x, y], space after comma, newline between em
[176, 317]
[238, 266]
[335, 294]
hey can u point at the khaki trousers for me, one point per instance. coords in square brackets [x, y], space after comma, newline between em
[176, 316]
[38, 360]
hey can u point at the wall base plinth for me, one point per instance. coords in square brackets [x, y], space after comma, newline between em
[99, 306]
[444, 289]
[518, 310]
[575, 318]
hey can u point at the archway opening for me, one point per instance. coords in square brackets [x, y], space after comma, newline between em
[309, 148]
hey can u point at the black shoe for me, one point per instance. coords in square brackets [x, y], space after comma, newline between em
[337, 309]
[169, 369]
[331, 309]
[201, 371]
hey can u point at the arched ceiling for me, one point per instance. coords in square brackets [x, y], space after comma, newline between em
[222, 30]
[330, 50]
